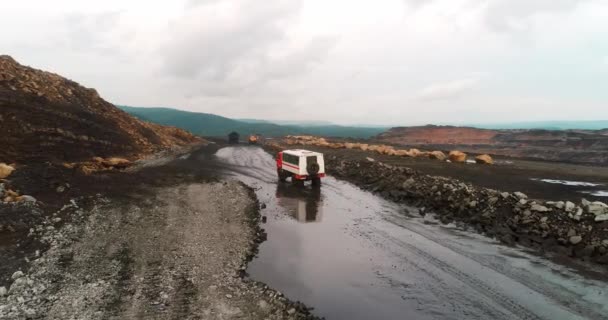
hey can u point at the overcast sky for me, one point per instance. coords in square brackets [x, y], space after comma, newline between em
[346, 61]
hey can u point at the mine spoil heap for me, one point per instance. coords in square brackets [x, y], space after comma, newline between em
[44, 116]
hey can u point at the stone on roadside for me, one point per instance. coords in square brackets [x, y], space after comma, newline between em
[576, 239]
[3, 291]
[402, 153]
[569, 206]
[263, 304]
[5, 170]
[597, 208]
[17, 275]
[520, 195]
[484, 159]
[603, 217]
[408, 183]
[26, 198]
[457, 156]
[539, 208]
[117, 162]
[437, 155]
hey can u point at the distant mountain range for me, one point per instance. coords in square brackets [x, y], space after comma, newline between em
[211, 125]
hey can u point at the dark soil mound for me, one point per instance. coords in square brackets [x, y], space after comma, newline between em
[45, 117]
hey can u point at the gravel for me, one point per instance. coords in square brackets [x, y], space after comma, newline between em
[176, 253]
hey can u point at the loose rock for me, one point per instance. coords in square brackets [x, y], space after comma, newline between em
[457, 156]
[576, 239]
[5, 170]
[17, 275]
[484, 159]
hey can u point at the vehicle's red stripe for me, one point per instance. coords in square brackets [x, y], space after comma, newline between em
[292, 166]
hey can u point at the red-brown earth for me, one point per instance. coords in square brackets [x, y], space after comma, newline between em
[573, 146]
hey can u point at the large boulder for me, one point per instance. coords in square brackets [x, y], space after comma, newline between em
[403, 153]
[457, 156]
[391, 152]
[437, 155]
[415, 152]
[336, 145]
[484, 159]
[597, 208]
[388, 150]
[5, 170]
[117, 162]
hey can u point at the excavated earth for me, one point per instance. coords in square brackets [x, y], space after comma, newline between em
[45, 117]
[168, 239]
[104, 216]
[544, 222]
[572, 146]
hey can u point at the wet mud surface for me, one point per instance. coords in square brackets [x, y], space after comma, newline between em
[352, 255]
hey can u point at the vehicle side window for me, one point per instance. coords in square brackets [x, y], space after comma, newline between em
[289, 158]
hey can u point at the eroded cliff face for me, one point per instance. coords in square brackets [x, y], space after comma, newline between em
[44, 116]
[576, 146]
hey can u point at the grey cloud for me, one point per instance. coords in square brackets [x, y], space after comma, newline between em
[240, 53]
[516, 15]
[203, 46]
[447, 90]
[416, 3]
[90, 31]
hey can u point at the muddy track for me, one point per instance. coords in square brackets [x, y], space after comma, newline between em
[373, 255]
[173, 247]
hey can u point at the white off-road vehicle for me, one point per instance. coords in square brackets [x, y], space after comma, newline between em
[301, 165]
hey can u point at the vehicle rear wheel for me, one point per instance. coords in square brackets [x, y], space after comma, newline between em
[282, 175]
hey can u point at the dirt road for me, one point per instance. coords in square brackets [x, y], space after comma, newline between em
[172, 246]
[351, 255]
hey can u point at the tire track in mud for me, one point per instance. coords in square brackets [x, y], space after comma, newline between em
[478, 285]
[442, 289]
[475, 282]
[561, 295]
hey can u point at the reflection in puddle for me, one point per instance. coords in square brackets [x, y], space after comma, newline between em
[568, 183]
[304, 204]
[600, 193]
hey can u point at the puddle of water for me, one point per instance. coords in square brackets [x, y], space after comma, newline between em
[568, 183]
[352, 255]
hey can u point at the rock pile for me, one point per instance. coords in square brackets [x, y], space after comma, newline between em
[47, 117]
[97, 164]
[562, 227]
[454, 156]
